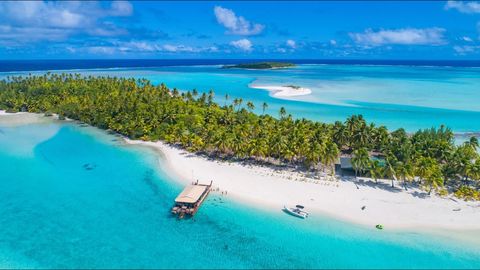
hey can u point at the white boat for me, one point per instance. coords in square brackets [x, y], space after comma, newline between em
[296, 211]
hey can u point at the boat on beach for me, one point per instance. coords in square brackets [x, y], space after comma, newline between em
[297, 211]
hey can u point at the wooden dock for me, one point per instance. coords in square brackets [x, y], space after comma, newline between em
[190, 199]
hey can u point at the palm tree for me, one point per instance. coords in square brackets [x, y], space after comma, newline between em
[211, 95]
[405, 171]
[330, 155]
[375, 170]
[236, 101]
[340, 134]
[313, 155]
[250, 106]
[360, 160]
[423, 165]
[283, 112]
[473, 142]
[390, 172]
[226, 99]
[264, 107]
[434, 178]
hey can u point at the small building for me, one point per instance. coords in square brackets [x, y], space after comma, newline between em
[190, 199]
[344, 165]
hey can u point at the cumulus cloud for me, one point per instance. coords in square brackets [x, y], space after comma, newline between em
[101, 50]
[464, 7]
[242, 44]
[121, 8]
[143, 47]
[291, 43]
[183, 48]
[13, 36]
[237, 25]
[406, 36]
[177, 48]
[467, 49]
[38, 20]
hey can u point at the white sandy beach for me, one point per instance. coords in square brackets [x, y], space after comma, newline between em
[269, 189]
[20, 118]
[283, 91]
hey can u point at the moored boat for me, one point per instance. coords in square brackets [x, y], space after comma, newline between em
[297, 211]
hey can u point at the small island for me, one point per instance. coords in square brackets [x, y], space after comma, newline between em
[261, 65]
[293, 86]
[284, 91]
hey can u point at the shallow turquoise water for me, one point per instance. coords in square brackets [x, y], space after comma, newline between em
[411, 97]
[54, 213]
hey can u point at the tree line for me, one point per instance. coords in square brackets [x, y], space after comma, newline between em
[140, 110]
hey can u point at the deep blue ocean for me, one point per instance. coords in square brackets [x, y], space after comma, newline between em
[36, 65]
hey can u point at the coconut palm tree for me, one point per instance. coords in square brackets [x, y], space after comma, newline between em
[390, 172]
[330, 155]
[405, 171]
[250, 106]
[434, 177]
[226, 99]
[264, 107]
[211, 95]
[360, 160]
[473, 142]
[283, 112]
[375, 170]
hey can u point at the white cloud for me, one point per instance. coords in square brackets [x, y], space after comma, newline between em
[42, 20]
[333, 42]
[183, 48]
[177, 48]
[101, 50]
[281, 50]
[12, 35]
[467, 39]
[242, 44]
[121, 8]
[406, 36]
[291, 43]
[464, 50]
[42, 14]
[464, 7]
[236, 24]
[143, 47]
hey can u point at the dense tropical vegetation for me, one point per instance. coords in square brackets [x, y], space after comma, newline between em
[140, 110]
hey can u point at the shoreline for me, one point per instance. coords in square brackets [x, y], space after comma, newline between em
[270, 189]
[283, 91]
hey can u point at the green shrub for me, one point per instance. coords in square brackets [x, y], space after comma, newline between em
[468, 193]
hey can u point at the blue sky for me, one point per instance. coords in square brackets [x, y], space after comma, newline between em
[182, 29]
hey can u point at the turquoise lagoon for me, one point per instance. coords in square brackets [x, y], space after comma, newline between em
[73, 196]
[411, 97]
